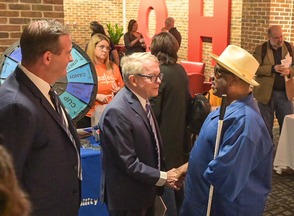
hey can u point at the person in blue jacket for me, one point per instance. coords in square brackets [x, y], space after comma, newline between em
[241, 171]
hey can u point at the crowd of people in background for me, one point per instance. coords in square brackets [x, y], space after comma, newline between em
[144, 99]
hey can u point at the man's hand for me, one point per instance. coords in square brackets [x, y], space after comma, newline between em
[182, 170]
[172, 178]
[282, 70]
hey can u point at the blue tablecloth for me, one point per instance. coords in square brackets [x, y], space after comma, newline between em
[91, 165]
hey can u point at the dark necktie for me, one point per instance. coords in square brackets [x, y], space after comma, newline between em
[152, 124]
[58, 108]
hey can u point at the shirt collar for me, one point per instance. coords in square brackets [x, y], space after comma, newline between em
[42, 85]
[141, 100]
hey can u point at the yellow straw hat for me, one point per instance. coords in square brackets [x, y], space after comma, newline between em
[239, 62]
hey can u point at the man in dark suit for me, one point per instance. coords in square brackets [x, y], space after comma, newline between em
[170, 26]
[132, 148]
[45, 154]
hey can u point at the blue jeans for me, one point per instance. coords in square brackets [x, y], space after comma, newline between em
[279, 105]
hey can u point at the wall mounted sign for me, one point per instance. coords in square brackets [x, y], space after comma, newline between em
[200, 27]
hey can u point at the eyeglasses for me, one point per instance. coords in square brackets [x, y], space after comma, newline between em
[218, 72]
[102, 47]
[153, 78]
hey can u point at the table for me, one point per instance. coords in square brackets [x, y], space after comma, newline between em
[284, 158]
[91, 165]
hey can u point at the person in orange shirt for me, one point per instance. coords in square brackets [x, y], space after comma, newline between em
[108, 75]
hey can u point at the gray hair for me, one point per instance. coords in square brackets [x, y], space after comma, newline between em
[134, 64]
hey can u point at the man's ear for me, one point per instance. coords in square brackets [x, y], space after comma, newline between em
[133, 80]
[47, 56]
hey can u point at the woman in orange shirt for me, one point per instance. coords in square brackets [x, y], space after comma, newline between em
[108, 75]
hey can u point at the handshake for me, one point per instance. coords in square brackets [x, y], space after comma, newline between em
[176, 177]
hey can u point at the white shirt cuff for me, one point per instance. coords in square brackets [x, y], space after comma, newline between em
[163, 177]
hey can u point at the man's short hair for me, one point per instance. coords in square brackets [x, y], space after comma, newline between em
[169, 22]
[41, 36]
[134, 64]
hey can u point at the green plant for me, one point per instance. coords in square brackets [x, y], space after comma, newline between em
[115, 33]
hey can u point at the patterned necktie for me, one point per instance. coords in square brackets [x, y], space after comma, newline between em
[152, 124]
[58, 108]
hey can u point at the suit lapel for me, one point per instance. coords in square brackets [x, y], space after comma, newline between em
[270, 55]
[284, 50]
[38, 94]
[137, 107]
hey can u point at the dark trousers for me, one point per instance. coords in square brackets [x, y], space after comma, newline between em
[278, 105]
[173, 200]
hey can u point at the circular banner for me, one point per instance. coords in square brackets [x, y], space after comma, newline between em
[77, 90]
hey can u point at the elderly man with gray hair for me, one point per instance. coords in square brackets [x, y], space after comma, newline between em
[133, 162]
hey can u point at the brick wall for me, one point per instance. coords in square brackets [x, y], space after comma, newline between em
[78, 14]
[258, 16]
[15, 14]
[235, 31]
[249, 19]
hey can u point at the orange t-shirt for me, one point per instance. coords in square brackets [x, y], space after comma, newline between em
[105, 82]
